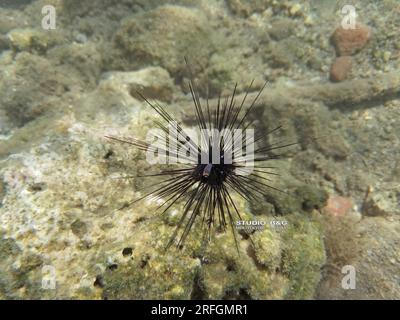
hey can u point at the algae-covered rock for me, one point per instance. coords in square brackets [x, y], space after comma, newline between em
[163, 36]
[2, 192]
[10, 20]
[4, 43]
[79, 228]
[302, 198]
[61, 209]
[82, 58]
[34, 85]
[227, 67]
[246, 8]
[218, 270]
[72, 224]
[157, 276]
[311, 197]
[152, 82]
[302, 257]
[33, 40]
[370, 245]
[77, 7]
[268, 248]
[8, 248]
[382, 204]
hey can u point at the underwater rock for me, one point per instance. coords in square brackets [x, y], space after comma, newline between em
[226, 276]
[279, 57]
[245, 8]
[281, 29]
[152, 82]
[342, 95]
[4, 43]
[10, 20]
[340, 68]
[334, 146]
[15, 3]
[6, 58]
[311, 197]
[9, 251]
[382, 204]
[85, 59]
[218, 271]
[79, 228]
[268, 248]
[33, 40]
[163, 36]
[80, 187]
[338, 206]
[228, 66]
[350, 41]
[2, 191]
[373, 252]
[27, 39]
[35, 84]
[303, 256]
[164, 276]
[8, 248]
[87, 8]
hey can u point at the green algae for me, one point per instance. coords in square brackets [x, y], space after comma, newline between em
[270, 266]
[303, 256]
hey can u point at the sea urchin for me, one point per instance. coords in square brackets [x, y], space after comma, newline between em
[211, 167]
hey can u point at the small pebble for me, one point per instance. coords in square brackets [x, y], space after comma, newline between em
[308, 21]
[295, 9]
[80, 38]
[350, 41]
[380, 204]
[386, 56]
[340, 68]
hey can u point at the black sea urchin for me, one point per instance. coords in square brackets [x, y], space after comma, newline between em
[214, 166]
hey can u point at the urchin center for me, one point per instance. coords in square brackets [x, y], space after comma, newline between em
[214, 174]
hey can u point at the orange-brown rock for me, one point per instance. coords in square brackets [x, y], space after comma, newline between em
[338, 206]
[350, 41]
[340, 68]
